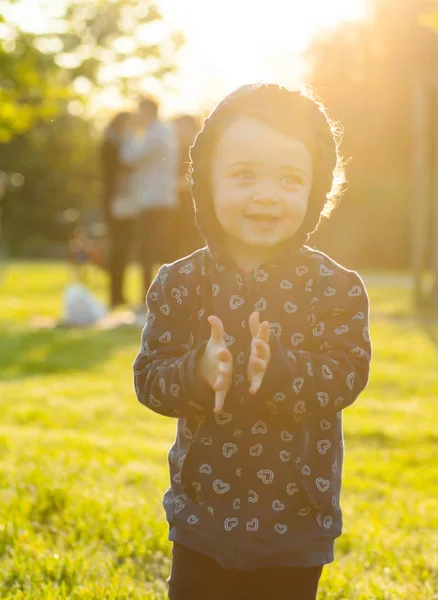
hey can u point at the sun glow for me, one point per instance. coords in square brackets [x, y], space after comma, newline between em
[234, 41]
[227, 43]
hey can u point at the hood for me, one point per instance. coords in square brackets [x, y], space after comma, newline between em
[268, 102]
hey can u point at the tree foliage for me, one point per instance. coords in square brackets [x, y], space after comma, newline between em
[126, 37]
[48, 157]
[54, 175]
[104, 42]
[364, 72]
[31, 84]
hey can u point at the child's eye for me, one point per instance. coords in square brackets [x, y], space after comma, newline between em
[292, 180]
[244, 175]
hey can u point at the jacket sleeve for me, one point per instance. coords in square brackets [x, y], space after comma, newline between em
[333, 370]
[164, 370]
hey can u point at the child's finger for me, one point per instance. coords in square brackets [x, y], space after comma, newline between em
[217, 329]
[219, 384]
[263, 332]
[260, 348]
[258, 365]
[256, 382]
[225, 369]
[223, 379]
[224, 355]
[219, 400]
[254, 323]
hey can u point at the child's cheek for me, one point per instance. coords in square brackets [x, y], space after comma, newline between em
[228, 205]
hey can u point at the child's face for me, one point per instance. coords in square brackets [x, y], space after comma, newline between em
[261, 181]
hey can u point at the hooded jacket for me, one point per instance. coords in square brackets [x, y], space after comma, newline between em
[259, 483]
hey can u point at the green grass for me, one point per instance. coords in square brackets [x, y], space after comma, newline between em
[83, 463]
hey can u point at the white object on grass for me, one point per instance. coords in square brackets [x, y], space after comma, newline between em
[81, 307]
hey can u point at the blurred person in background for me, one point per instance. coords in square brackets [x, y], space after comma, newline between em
[119, 205]
[149, 151]
[188, 237]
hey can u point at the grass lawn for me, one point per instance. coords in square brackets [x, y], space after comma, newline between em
[83, 465]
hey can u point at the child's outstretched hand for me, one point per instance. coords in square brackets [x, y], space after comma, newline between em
[260, 352]
[216, 364]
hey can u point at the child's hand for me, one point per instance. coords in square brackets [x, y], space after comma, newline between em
[216, 364]
[260, 352]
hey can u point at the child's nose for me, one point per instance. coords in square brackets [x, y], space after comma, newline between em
[265, 193]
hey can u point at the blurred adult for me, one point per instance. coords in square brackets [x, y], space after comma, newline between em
[119, 205]
[149, 151]
[188, 237]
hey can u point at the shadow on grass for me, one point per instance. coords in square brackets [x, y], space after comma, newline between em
[46, 351]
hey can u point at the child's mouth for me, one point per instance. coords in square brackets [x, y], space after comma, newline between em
[264, 220]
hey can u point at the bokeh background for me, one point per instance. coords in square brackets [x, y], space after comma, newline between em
[67, 67]
[83, 465]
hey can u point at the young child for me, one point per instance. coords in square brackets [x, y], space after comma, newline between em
[253, 507]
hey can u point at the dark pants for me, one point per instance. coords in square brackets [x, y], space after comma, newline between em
[121, 233]
[196, 577]
[156, 241]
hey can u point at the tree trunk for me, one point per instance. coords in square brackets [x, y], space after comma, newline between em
[420, 180]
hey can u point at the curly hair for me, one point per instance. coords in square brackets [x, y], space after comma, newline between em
[298, 114]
